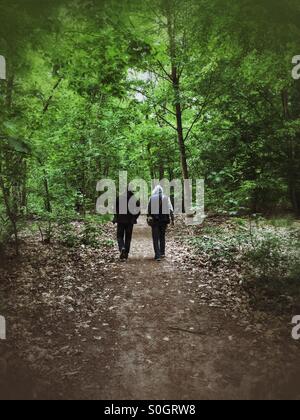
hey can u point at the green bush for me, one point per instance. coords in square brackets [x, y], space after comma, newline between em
[90, 234]
[67, 234]
[268, 259]
[263, 251]
[85, 233]
[274, 257]
[46, 225]
[6, 232]
[108, 243]
[217, 249]
[271, 272]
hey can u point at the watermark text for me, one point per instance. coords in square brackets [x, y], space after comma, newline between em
[2, 328]
[296, 329]
[2, 68]
[296, 69]
[187, 197]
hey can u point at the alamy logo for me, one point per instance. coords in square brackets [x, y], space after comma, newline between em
[296, 329]
[2, 328]
[2, 68]
[296, 69]
[188, 197]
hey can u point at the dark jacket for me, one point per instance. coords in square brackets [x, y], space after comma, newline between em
[128, 218]
[160, 209]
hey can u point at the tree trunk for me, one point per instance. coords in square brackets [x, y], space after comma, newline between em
[150, 161]
[11, 215]
[23, 192]
[11, 209]
[47, 198]
[292, 166]
[161, 169]
[177, 91]
[9, 91]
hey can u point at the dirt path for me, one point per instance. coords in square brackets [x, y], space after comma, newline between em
[158, 343]
[95, 329]
[161, 350]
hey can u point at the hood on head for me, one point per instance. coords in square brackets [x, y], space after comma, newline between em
[158, 190]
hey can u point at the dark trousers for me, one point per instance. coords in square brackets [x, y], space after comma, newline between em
[124, 234]
[159, 239]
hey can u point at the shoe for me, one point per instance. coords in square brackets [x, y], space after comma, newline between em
[158, 259]
[163, 257]
[123, 254]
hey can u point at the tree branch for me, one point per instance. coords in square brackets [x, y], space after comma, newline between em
[159, 75]
[156, 14]
[166, 121]
[198, 116]
[180, 71]
[194, 122]
[169, 76]
[47, 104]
[148, 97]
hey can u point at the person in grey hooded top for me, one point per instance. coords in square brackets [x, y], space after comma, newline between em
[160, 215]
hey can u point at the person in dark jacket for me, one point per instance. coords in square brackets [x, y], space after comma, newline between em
[125, 221]
[160, 215]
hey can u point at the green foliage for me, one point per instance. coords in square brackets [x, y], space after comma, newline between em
[271, 272]
[265, 253]
[68, 234]
[90, 92]
[90, 235]
[109, 243]
[267, 260]
[74, 234]
[218, 250]
[5, 234]
[274, 257]
[17, 145]
[46, 227]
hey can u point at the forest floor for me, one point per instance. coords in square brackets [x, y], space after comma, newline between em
[83, 325]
